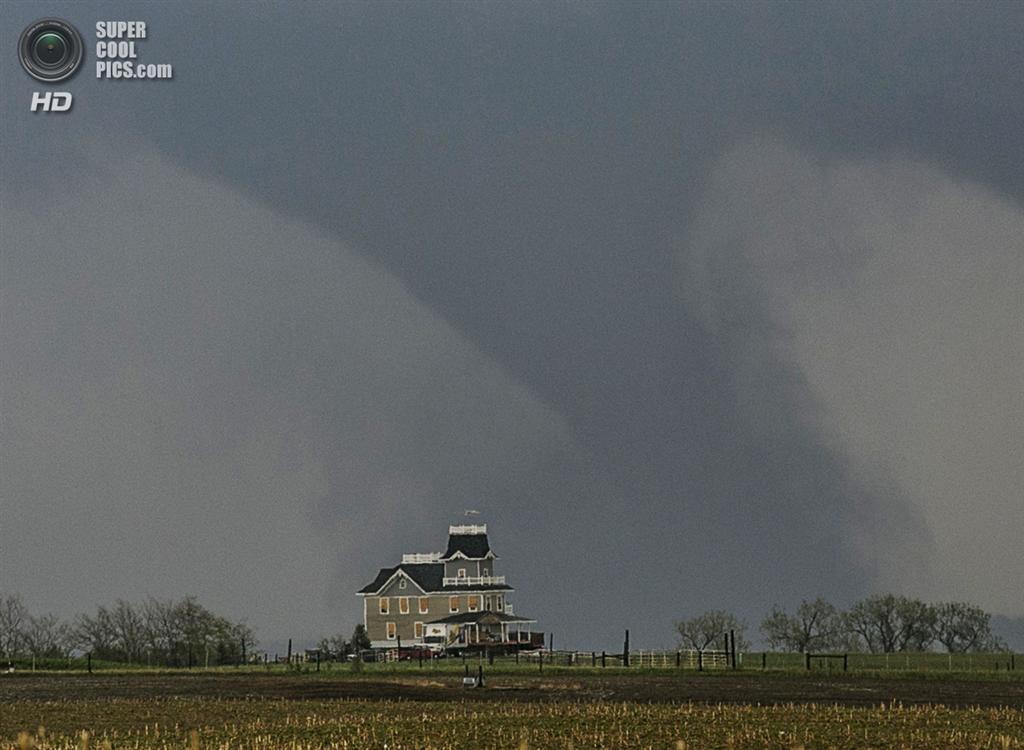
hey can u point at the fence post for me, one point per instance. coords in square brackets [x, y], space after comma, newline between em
[593, 658]
[540, 659]
[732, 641]
[764, 660]
[625, 650]
[844, 662]
[604, 657]
[807, 660]
[679, 659]
[700, 660]
[318, 660]
[89, 662]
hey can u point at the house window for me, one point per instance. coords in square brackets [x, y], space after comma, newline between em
[385, 605]
[424, 605]
[500, 604]
[487, 603]
[392, 631]
[462, 572]
[487, 571]
[401, 583]
[453, 604]
[418, 629]
[474, 603]
[403, 605]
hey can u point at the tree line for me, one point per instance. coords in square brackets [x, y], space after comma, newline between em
[884, 623]
[340, 647]
[158, 632]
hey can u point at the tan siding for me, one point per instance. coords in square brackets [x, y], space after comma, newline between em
[376, 622]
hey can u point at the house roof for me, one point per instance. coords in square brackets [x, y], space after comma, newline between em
[473, 546]
[377, 583]
[429, 577]
[484, 618]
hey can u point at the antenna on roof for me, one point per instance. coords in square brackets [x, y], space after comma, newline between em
[472, 513]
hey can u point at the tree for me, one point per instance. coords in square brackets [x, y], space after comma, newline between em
[816, 626]
[243, 635]
[709, 628]
[962, 627]
[96, 634]
[360, 640]
[46, 637]
[161, 629]
[334, 647]
[13, 618]
[888, 623]
[129, 627]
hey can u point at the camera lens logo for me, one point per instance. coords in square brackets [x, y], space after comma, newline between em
[51, 50]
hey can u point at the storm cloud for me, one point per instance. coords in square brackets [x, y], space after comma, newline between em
[689, 300]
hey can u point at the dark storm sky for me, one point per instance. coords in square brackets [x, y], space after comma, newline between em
[702, 305]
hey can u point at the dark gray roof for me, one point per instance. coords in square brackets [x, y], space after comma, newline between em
[374, 586]
[429, 577]
[464, 618]
[473, 546]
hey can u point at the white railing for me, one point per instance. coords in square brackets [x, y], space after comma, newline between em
[468, 529]
[416, 558]
[473, 581]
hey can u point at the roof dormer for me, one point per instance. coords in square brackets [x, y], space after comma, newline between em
[469, 542]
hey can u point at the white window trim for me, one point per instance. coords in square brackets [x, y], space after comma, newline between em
[403, 600]
[384, 606]
[423, 605]
[391, 630]
[450, 607]
[418, 625]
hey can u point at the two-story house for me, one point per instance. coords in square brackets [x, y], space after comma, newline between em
[444, 599]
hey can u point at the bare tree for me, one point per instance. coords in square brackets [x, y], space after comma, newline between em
[709, 628]
[816, 626]
[888, 623]
[962, 627]
[129, 629]
[13, 618]
[95, 634]
[162, 633]
[47, 637]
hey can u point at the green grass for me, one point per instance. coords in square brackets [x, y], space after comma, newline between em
[916, 665]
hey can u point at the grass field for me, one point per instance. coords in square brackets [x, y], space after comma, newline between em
[391, 706]
[182, 723]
